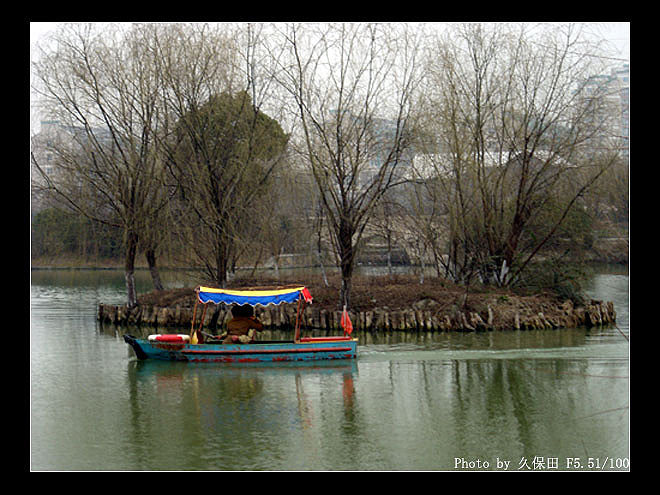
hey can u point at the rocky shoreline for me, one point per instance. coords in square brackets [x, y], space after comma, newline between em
[522, 313]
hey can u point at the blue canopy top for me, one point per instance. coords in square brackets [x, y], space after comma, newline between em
[263, 297]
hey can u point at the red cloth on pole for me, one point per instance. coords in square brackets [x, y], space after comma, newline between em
[346, 323]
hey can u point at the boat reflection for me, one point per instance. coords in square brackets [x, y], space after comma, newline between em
[234, 406]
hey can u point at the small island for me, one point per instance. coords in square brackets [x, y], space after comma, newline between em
[383, 303]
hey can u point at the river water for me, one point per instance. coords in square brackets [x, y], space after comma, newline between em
[552, 400]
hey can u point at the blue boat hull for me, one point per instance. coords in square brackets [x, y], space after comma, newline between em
[309, 349]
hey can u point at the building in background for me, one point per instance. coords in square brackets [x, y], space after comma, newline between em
[615, 88]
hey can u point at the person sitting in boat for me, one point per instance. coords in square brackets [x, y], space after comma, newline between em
[242, 328]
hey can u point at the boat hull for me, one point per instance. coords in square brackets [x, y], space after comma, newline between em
[308, 349]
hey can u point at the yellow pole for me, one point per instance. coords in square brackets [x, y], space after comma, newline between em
[192, 325]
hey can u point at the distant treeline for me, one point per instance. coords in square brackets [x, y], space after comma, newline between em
[58, 233]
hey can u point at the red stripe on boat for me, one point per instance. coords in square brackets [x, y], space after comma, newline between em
[169, 337]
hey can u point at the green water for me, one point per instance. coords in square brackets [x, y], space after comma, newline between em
[520, 401]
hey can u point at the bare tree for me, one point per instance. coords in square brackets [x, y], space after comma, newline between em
[223, 149]
[353, 87]
[100, 86]
[516, 134]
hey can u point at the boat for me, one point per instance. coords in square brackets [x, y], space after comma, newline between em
[198, 346]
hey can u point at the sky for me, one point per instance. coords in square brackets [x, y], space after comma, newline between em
[617, 32]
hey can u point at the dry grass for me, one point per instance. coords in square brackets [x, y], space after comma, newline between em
[368, 292]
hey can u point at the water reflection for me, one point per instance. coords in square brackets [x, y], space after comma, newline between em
[495, 408]
[532, 339]
[227, 417]
[411, 401]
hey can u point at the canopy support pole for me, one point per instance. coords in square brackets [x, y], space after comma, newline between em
[200, 337]
[192, 325]
[298, 315]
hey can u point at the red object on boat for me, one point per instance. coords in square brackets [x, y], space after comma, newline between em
[346, 323]
[306, 295]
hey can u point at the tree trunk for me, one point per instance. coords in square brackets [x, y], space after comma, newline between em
[221, 271]
[129, 268]
[345, 291]
[153, 269]
[221, 261]
[346, 261]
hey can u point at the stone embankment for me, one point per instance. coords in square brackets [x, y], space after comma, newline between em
[424, 315]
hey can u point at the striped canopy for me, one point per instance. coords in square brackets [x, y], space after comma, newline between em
[263, 297]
